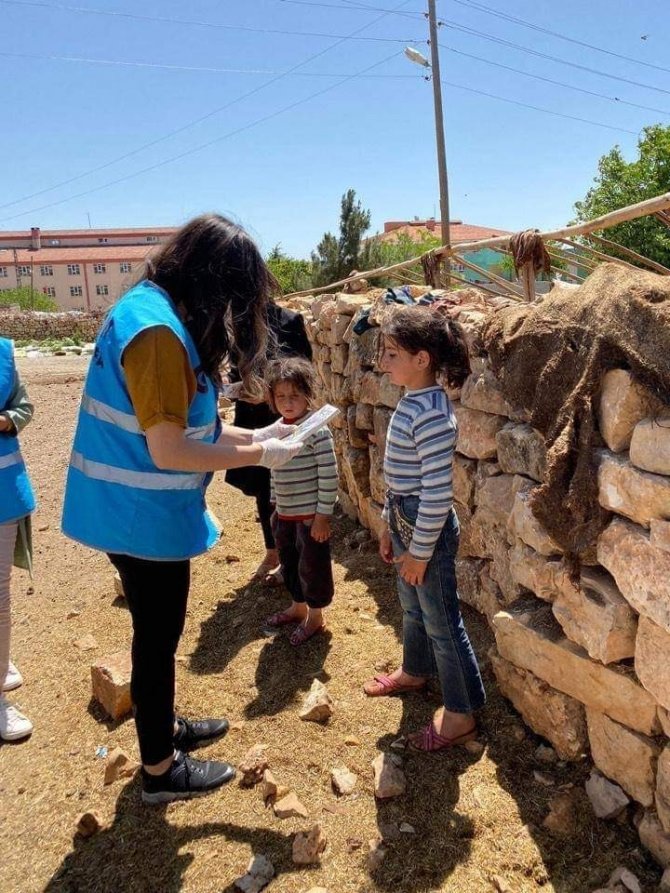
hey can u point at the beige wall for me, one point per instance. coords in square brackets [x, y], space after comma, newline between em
[115, 280]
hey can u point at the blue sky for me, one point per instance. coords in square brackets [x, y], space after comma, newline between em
[509, 166]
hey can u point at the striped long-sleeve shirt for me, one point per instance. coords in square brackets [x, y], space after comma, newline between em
[308, 483]
[419, 461]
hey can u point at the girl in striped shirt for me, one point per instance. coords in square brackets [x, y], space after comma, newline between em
[421, 533]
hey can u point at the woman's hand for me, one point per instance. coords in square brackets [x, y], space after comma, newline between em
[276, 429]
[385, 546]
[411, 569]
[277, 453]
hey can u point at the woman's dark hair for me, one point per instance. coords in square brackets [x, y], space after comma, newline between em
[290, 370]
[213, 268]
[421, 328]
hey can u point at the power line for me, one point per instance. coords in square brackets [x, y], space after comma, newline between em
[359, 8]
[199, 120]
[480, 7]
[539, 108]
[539, 77]
[62, 7]
[206, 145]
[195, 68]
[517, 46]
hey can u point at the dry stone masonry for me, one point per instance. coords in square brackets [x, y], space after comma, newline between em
[586, 665]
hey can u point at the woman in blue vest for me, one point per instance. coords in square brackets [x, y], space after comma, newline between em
[148, 438]
[17, 502]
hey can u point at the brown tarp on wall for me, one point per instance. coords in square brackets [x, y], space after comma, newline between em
[550, 358]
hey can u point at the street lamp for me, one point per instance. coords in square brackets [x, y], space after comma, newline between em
[419, 59]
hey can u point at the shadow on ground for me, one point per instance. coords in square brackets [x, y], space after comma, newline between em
[142, 851]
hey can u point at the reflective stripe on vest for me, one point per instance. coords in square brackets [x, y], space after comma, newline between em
[128, 422]
[14, 458]
[143, 480]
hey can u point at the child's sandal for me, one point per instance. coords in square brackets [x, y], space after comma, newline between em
[383, 686]
[430, 741]
[281, 618]
[302, 634]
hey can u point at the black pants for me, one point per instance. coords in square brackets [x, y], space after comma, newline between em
[305, 564]
[156, 593]
[265, 509]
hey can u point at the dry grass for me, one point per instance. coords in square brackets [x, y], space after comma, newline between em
[474, 817]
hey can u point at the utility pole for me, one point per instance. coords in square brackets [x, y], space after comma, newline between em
[439, 136]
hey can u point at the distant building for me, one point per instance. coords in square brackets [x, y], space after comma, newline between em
[80, 269]
[419, 230]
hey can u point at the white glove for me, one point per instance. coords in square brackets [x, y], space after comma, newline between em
[277, 453]
[276, 429]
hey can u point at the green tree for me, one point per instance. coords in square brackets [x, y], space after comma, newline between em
[377, 252]
[291, 273]
[27, 299]
[620, 182]
[336, 256]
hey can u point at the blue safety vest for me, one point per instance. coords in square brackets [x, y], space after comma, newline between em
[116, 499]
[17, 498]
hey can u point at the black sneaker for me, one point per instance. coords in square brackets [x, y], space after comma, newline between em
[192, 733]
[184, 779]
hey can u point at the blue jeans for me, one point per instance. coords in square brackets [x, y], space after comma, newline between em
[433, 634]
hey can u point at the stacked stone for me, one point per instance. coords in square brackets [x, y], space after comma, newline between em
[32, 325]
[586, 665]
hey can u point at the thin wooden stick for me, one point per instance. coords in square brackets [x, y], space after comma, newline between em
[487, 288]
[488, 275]
[563, 259]
[599, 254]
[663, 216]
[627, 252]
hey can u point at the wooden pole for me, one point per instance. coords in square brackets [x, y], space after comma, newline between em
[439, 136]
[633, 255]
[528, 281]
[631, 212]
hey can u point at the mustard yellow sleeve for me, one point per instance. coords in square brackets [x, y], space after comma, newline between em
[159, 377]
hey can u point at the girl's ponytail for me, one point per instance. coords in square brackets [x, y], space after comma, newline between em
[456, 366]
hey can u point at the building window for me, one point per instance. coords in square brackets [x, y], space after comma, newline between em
[99, 268]
[102, 290]
[46, 270]
[4, 273]
[24, 271]
[76, 291]
[103, 241]
[54, 241]
[152, 238]
[124, 267]
[49, 290]
[73, 270]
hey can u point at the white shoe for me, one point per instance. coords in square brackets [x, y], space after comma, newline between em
[13, 679]
[13, 724]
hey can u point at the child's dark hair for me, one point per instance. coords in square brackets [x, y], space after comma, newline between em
[290, 370]
[212, 267]
[421, 328]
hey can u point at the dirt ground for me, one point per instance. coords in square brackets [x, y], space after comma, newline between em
[477, 819]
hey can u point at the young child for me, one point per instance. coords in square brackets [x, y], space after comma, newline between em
[421, 536]
[304, 491]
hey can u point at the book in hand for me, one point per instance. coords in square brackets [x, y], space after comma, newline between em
[317, 420]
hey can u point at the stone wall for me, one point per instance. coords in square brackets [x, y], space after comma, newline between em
[33, 325]
[586, 665]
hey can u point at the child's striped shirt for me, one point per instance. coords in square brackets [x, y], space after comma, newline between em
[308, 483]
[419, 460]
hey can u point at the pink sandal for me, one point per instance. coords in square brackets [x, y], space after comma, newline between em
[387, 686]
[301, 635]
[281, 618]
[430, 741]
